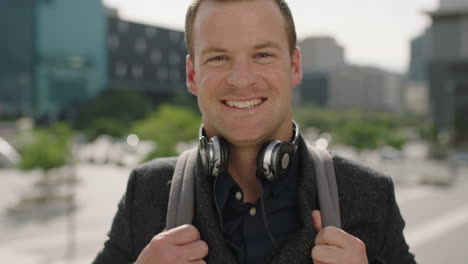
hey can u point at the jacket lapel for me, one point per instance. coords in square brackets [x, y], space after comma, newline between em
[207, 220]
[299, 245]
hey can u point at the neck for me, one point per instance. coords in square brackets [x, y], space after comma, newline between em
[242, 162]
[242, 167]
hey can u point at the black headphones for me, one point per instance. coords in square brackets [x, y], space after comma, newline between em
[273, 158]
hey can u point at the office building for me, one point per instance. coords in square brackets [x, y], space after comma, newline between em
[366, 88]
[145, 58]
[53, 56]
[448, 68]
[313, 89]
[58, 55]
[321, 54]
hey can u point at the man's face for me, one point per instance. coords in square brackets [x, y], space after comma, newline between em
[242, 71]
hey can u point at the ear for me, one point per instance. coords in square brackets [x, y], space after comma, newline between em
[190, 75]
[296, 70]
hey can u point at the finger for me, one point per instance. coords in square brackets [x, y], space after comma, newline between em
[333, 236]
[182, 235]
[317, 220]
[198, 262]
[326, 254]
[194, 251]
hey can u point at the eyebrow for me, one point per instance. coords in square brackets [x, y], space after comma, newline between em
[268, 44]
[213, 50]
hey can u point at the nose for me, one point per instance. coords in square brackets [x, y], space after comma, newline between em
[241, 75]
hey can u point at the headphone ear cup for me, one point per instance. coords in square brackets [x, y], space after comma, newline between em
[203, 149]
[266, 159]
[262, 168]
[218, 159]
[274, 158]
[282, 159]
[223, 154]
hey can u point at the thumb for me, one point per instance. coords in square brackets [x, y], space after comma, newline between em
[317, 220]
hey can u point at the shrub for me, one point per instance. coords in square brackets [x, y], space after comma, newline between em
[50, 148]
[112, 113]
[166, 127]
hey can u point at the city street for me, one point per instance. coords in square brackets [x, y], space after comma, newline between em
[436, 216]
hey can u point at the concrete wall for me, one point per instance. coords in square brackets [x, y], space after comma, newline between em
[464, 36]
[321, 54]
[354, 87]
[453, 4]
[446, 39]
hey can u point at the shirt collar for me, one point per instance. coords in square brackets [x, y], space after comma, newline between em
[225, 184]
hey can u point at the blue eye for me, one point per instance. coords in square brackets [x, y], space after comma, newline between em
[217, 61]
[263, 55]
[217, 58]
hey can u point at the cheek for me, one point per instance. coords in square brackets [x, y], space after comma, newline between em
[209, 83]
[277, 78]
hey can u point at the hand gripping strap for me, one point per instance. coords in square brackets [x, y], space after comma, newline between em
[326, 186]
[181, 197]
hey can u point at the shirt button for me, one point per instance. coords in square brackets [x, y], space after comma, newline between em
[238, 196]
[252, 211]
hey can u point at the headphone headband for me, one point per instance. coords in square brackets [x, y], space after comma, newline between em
[295, 134]
[273, 158]
[201, 132]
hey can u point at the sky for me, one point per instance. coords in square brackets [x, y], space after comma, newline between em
[373, 32]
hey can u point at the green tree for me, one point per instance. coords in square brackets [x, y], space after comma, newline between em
[360, 135]
[50, 148]
[166, 127]
[113, 112]
[360, 129]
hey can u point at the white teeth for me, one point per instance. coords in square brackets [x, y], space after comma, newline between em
[244, 104]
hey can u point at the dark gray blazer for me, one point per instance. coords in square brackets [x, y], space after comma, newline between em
[367, 204]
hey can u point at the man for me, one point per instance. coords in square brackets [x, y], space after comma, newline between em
[242, 66]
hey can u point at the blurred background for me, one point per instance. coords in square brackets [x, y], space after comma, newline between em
[89, 89]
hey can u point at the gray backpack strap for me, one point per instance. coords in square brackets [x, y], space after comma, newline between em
[326, 186]
[181, 197]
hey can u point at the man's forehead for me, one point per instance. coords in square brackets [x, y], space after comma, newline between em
[222, 3]
[210, 8]
[229, 17]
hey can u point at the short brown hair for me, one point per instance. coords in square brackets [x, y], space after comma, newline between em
[192, 12]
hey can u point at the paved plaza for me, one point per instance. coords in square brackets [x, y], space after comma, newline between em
[436, 214]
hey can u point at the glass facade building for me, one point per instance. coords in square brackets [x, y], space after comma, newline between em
[54, 55]
[16, 56]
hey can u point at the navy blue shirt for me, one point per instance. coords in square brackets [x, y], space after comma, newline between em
[243, 227]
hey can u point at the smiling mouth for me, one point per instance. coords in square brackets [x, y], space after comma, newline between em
[244, 104]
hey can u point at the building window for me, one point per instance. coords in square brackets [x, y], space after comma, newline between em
[175, 75]
[140, 45]
[174, 36]
[162, 73]
[151, 32]
[122, 27]
[121, 70]
[137, 71]
[156, 56]
[113, 42]
[464, 37]
[174, 58]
